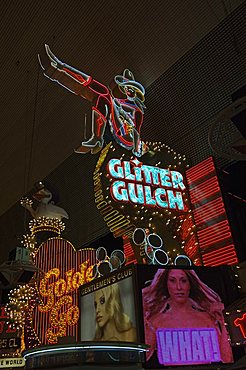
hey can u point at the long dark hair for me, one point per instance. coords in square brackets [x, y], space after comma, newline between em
[156, 294]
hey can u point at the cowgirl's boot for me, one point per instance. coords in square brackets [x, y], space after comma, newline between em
[136, 148]
[98, 128]
[95, 143]
[139, 147]
[67, 76]
[82, 149]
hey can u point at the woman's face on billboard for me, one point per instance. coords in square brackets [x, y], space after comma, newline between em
[178, 286]
[102, 316]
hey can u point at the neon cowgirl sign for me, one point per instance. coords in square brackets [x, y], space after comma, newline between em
[123, 115]
[148, 185]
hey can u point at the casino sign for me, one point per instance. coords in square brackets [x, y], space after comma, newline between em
[142, 184]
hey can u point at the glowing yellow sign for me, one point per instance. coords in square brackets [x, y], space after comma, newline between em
[59, 301]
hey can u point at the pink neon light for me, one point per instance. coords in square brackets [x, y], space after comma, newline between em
[201, 214]
[206, 213]
[205, 190]
[241, 322]
[214, 239]
[78, 77]
[210, 205]
[225, 255]
[222, 232]
[200, 170]
[190, 243]
[202, 165]
[196, 177]
[219, 262]
[208, 239]
[99, 113]
[230, 260]
[187, 346]
[205, 244]
[213, 217]
[209, 210]
[184, 232]
[221, 251]
[209, 214]
[205, 185]
[204, 194]
[191, 249]
[130, 257]
[219, 233]
[216, 227]
[191, 253]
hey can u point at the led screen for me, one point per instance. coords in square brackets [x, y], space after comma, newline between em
[107, 307]
[183, 315]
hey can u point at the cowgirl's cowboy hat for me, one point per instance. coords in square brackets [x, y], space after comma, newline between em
[127, 79]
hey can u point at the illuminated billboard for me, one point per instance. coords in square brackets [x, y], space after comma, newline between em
[64, 270]
[183, 316]
[108, 308]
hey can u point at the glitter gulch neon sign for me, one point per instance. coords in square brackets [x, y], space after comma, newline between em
[146, 185]
[187, 346]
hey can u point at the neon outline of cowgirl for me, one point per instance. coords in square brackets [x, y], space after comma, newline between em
[124, 116]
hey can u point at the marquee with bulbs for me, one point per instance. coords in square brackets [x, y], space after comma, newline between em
[162, 195]
[166, 213]
[150, 194]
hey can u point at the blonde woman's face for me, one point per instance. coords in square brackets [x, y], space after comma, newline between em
[178, 286]
[102, 316]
